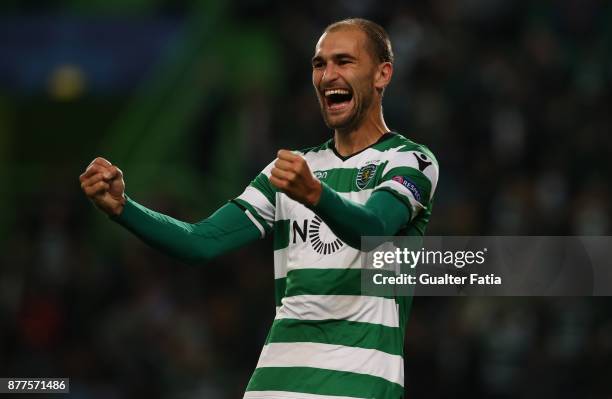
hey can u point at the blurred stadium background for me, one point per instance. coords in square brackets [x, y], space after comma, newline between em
[191, 99]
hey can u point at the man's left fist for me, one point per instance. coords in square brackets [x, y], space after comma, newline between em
[292, 176]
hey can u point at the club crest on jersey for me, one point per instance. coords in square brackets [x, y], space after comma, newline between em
[365, 175]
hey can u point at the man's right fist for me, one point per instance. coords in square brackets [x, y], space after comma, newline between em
[103, 183]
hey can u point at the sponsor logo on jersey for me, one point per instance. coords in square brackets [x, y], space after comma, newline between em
[318, 235]
[406, 182]
[365, 175]
[319, 243]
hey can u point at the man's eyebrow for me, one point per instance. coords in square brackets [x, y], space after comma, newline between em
[344, 55]
[335, 56]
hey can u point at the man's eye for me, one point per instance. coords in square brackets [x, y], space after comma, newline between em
[344, 62]
[317, 65]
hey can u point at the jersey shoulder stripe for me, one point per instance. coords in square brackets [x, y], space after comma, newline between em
[411, 173]
[325, 146]
[400, 143]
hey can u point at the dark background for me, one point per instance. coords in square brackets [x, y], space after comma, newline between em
[191, 99]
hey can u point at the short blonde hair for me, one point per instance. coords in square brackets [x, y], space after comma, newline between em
[380, 45]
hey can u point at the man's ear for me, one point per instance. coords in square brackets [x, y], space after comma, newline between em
[383, 75]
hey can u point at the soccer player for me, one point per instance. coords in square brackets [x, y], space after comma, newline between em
[327, 340]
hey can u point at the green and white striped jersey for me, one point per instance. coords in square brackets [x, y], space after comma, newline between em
[328, 340]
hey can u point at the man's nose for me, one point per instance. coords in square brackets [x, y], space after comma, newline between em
[331, 73]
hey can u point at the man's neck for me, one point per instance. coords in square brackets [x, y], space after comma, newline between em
[367, 133]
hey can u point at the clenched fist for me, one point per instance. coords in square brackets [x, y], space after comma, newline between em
[103, 183]
[292, 176]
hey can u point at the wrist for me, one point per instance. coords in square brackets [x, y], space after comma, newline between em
[118, 208]
[314, 196]
[326, 203]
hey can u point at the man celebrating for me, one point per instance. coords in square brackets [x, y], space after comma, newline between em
[327, 340]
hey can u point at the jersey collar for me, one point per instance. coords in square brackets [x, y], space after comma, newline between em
[386, 136]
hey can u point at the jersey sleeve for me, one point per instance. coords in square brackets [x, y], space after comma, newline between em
[258, 201]
[411, 174]
[226, 229]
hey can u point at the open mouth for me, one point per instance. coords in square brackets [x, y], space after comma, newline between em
[337, 99]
